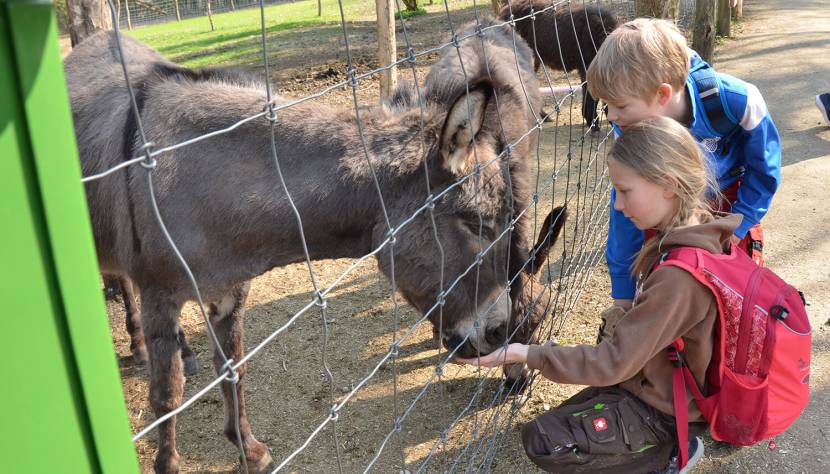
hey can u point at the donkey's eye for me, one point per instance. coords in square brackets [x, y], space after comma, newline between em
[486, 231]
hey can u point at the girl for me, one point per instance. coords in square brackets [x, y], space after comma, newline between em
[624, 421]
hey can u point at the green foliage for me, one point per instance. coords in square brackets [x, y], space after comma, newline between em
[417, 12]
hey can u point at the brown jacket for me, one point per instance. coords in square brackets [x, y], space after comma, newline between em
[671, 304]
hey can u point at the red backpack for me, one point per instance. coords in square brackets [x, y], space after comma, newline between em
[758, 379]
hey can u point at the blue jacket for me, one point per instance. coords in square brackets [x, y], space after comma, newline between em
[755, 146]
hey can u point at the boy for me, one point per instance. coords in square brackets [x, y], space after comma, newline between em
[644, 69]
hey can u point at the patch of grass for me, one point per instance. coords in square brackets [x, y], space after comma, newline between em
[237, 41]
[192, 43]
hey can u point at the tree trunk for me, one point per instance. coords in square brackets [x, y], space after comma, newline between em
[669, 9]
[703, 40]
[86, 17]
[739, 9]
[386, 46]
[319, 7]
[178, 15]
[411, 5]
[725, 17]
[233, 7]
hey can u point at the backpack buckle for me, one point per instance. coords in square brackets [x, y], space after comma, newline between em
[779, 312]
[676, 357]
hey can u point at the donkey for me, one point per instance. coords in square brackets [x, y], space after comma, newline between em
[223, 204]
[565, 38]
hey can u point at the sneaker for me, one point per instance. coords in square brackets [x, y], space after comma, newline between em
[823, 104]
[695, 453]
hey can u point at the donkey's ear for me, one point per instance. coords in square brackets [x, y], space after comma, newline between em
[548, 235]
[464, 121]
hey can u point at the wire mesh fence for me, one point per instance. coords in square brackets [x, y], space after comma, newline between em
[370, 389]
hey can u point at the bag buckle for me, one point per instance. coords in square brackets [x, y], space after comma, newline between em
[676, 357]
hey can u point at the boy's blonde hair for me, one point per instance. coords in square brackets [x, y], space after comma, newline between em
[636, 58]
[663, 152]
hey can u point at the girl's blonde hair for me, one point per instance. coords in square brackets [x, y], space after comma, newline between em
[636, 58]
[663, 152]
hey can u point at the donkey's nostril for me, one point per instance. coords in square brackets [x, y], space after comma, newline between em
[496, 336]
[451, 341]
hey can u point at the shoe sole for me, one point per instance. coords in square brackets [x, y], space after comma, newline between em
[823, 110]
[694, 459]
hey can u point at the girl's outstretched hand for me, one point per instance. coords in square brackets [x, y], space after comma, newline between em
[516, 353]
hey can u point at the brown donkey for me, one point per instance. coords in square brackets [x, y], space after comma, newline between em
[223, 204]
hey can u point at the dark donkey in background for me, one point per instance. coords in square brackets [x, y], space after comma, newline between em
[224, 206]
[566, 38]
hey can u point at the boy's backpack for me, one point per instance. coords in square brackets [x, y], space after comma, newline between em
[758, 379]
[714, 103]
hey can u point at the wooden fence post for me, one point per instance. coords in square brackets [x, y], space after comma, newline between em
[386, 46]
[210, 17]
[127, 9]
[703, 39]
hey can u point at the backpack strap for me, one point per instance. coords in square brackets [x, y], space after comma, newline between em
[714, 104]
[681, 376]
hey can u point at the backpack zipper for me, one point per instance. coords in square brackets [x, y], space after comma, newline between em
[745, 326]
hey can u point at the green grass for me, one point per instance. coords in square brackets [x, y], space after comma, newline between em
[236, 40]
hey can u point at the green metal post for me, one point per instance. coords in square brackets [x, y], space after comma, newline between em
[61, 404]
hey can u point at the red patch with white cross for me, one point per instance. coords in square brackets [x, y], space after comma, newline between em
[600, 424]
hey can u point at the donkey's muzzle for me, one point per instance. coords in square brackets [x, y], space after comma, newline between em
[462, 346]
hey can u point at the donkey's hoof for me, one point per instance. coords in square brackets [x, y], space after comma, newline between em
[167, 464]
[191, 365]
[140, 355]
[259, 459]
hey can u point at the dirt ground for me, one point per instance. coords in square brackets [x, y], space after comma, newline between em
[286, 387]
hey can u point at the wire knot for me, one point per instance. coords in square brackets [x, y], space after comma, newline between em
[146, 149]
[320, 300]
[271, 110]
[233, 375]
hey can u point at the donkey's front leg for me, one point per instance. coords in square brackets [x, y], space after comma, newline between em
[227, 317]
[160, 320]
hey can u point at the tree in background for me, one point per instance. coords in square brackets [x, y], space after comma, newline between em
[85, 17]
[669, 9]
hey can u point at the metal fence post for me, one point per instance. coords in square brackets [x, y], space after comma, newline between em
[61, 405]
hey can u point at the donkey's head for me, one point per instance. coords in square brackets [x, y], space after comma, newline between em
[480, 107]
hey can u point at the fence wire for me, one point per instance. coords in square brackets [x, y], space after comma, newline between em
[577, 179]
